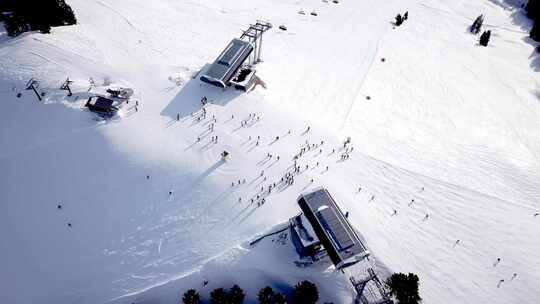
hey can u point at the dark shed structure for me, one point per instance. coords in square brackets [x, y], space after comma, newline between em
[101, 105]
[227, 64]
[304, 238]
[332, 228]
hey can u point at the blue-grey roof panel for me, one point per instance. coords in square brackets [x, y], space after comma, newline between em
[228, 62]
[232, 52]
[331, 227]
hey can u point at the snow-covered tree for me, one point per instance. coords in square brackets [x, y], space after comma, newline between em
[399, 20]
[191, 297]
[404, 288]
[533, 12]
[218, 296]
[532, 8]
[266, 295]
[535, 31]
[280, 298]
[306, 292]
[236, 295]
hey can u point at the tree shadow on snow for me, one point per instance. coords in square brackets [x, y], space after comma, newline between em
[188, 100]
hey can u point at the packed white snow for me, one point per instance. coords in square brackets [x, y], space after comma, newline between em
[445, 133]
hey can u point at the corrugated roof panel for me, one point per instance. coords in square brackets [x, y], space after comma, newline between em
[335, 228]
[231, 53]
[331, 227]
[228, 62]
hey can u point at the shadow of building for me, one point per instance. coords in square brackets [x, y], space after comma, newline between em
[188, 99]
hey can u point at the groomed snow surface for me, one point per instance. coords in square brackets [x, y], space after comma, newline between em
[449, 124]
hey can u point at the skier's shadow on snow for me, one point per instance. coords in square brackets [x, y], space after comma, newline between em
[188, 99]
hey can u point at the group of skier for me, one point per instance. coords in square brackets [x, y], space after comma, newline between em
[400, 19]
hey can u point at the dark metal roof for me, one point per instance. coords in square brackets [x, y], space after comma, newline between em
[101, 104]
[332, 228]
[229, 61]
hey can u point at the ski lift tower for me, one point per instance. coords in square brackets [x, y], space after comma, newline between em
[251, 36]
[254, 35]
[360, 287]
[33, 85]
[65, 86]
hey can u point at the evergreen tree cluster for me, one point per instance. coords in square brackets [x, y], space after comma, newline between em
[400, 19]
[268, 296]
[305, 292]
[404, 287]
[35, 15]
[476, 27]
[233, 296]
[191, 297]
[533, 12]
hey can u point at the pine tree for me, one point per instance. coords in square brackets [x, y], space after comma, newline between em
[404, 288]
[218, 296]
[533, 8]
[236, 295]
[280, 298]
[484, 38]
[191, 297]
[266, 295]
[533, 12]
[306, 292]
[16, 25]
[399, 20]
[535, 31]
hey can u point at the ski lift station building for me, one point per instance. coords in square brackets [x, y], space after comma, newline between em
[322, 229]
[225, 69]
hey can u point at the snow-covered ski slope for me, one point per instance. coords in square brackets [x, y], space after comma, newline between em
[452, 125]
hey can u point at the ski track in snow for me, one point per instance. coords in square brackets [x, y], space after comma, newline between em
[119, 14]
